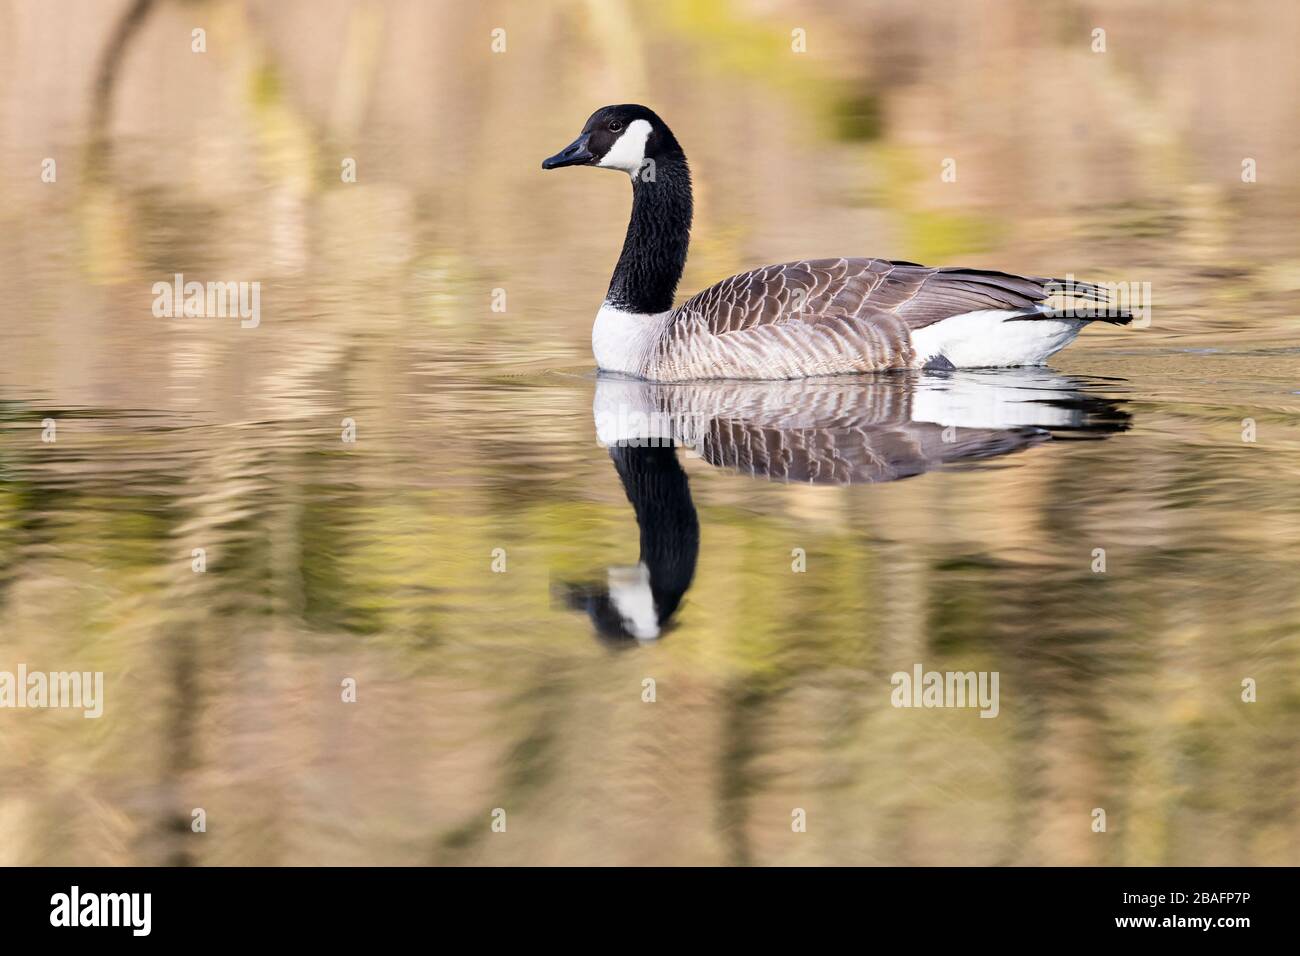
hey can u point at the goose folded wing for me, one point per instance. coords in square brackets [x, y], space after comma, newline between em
[848, 296]
[853, 455]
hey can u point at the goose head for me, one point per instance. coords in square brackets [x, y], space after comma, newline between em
[625, 608]
[622, 137]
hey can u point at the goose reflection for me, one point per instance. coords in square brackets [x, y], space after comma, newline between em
[836, 431]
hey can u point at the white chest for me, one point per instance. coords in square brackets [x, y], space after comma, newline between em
[621, 341]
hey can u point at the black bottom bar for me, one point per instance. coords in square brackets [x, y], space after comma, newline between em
[930, 905]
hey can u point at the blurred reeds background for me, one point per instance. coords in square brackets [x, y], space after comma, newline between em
[1120, 691]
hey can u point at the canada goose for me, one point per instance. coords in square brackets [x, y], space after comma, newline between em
[829, 431]
[796, 319]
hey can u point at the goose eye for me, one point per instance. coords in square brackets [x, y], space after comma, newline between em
[615, 126]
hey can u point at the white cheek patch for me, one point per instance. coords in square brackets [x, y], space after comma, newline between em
[628, 151]
[629, 590]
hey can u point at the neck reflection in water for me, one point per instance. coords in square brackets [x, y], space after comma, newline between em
[835, 431]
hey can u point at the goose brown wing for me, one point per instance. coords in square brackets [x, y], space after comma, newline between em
[828, 291]
[830, 316]
[811, 317]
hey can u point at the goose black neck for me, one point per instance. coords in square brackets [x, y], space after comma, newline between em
[657, 487]
[654, 252]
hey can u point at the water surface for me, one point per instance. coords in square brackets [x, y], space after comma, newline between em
[457, 559]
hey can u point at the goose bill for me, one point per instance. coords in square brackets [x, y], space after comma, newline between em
[575, 154]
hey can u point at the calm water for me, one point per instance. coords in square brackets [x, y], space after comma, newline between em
[460, 559]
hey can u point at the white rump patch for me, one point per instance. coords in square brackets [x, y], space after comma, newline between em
[987, 340]
[628, 151]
